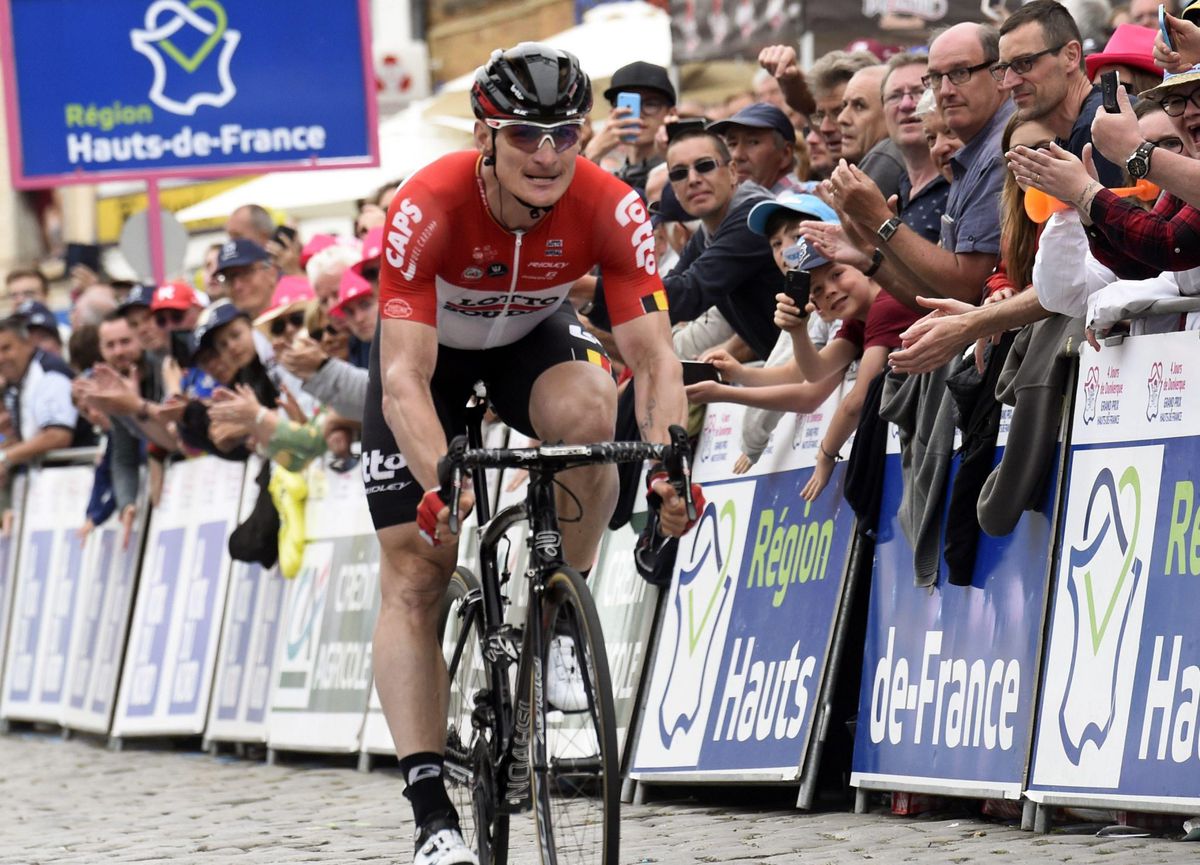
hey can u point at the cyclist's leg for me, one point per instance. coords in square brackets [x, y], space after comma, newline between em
[556, 384]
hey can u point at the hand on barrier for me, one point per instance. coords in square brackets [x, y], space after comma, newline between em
[822, 471]
[128, 514]
[84, 531]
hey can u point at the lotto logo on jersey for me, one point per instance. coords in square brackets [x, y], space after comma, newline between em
[630, 211]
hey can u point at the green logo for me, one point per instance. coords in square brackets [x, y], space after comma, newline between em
[192, 63]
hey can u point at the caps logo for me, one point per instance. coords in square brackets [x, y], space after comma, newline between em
[795, 256]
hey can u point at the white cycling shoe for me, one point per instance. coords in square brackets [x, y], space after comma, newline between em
[564, 678]
[441, 843]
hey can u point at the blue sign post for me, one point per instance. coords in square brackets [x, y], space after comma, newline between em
[156, 88]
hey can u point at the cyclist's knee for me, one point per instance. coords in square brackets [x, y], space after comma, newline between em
[580, 417]
[412, 575]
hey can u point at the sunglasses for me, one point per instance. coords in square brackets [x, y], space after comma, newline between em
[320, 333]
[679, 173]
[529, 137]
[167, 318]
[283, 322]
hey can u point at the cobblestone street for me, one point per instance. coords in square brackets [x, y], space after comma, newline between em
[77, 802]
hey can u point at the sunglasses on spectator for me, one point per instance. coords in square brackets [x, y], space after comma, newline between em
[679, 173]
[957, 77]
[281, 323]
[320, 333]
[1021, 65]
[166, 318]
[370, 273]
[1175, 104]
[529, 137]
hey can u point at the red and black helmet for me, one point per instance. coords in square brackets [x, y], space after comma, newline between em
[531, 82]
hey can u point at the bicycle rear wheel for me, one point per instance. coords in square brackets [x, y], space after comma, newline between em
[470, 730]
[576, 783]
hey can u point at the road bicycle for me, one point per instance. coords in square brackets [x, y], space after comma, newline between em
[510, 747]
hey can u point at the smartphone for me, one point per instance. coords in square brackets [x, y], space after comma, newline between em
[677, 127]
[87, 254]
[285, 235]
[183, 346]
[632, 101]
[1108, 89]
[1162, 26]
[695, 372]
[797, 285]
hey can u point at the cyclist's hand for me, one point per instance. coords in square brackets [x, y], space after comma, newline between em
[672, 510]
[433, 516]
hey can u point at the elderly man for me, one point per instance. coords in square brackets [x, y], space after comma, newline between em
[762, 143]
[250, 222]
[244, 268]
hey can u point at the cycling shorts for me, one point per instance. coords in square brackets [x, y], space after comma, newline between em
[508, 371]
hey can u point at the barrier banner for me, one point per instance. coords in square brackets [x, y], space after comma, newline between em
[170, 88]
[1118, 716]
[168, 672]
[744, 642]
[8, 564]
[323, 670]
[949, 673]
[101, 623]
[249, 641]
[46, 594]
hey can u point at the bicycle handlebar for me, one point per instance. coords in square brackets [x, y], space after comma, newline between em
[551, 459]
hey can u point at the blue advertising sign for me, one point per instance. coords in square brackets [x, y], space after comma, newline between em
[1120, 705]
[950, 672]
[154, 88]
[743, 646]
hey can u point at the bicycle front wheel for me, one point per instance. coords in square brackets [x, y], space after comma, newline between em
[470, 726]
[576, 783]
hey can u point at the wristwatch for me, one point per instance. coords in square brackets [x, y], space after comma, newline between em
[886, 230]
[1138, 165]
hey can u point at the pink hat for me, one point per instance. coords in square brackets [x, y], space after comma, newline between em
[290, 291]
[315, 244]
[352, 286]
[372, 248]
[1130, 45]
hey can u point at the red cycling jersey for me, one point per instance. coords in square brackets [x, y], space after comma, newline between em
[448, 263]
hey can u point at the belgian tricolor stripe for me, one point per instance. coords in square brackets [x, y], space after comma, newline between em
[599, 359]
[656, 302]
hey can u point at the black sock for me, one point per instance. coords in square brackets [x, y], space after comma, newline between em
[425, 790]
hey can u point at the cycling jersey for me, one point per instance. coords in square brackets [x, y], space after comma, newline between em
[448, 263]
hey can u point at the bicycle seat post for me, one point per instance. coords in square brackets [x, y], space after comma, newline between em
[476, 410]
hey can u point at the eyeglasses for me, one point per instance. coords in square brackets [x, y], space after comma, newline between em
[281, 323]
[320, 333]
[229, 277]
[529, 137]
[1175, 104]
[1172, 143]
[817, 117]
[169, 318]
[957, 77]
[896, 97]
[679, 173]
[1021, 65]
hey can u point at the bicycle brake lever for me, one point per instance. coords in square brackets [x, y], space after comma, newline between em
[450, 478]
[679, 468]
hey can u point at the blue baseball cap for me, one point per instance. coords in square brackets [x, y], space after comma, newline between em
[760, 115]
[139, 295]
[213, 319]
[239, 253]
[37, 314]
[803, 203]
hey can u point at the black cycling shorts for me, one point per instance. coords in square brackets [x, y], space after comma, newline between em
[508, 371]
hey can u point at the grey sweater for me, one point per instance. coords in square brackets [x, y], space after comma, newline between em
[341, 386]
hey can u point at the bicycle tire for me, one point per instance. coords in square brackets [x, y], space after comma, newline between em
[470, 732]
[576, 775]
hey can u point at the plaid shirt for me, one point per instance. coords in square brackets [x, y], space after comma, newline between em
[1138, 244]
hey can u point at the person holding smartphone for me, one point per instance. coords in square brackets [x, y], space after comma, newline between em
[634, 131]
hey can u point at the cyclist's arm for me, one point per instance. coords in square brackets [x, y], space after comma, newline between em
[645, 343]
[407, 357]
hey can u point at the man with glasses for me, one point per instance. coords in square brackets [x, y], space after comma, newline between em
[480, 252]
[636, 134]
[175, 306]
[244, 268]
[1041, 66]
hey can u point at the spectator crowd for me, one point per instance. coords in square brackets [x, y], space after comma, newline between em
[944, 224]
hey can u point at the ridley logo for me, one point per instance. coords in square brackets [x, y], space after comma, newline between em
[397, 307]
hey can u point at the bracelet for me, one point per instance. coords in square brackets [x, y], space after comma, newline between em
[876, 263]
[1088, 195]
[827, 454]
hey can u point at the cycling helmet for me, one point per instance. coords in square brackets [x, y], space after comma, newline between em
[531, 82]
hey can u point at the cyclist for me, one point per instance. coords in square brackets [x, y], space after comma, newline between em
[479, 253]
